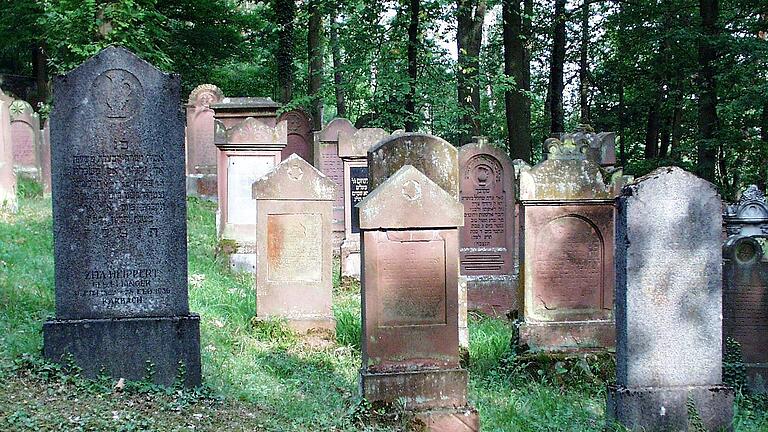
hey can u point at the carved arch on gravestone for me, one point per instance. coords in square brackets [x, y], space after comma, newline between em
[25, 136]
[331, 131]
[749, 216]
[205, 95]
[299, 125]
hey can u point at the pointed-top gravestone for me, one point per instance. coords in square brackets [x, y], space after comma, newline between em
[7, 176]
[293, 245]
[119, 219]
[433, 156]
[749, 216]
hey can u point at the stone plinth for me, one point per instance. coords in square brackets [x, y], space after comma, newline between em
[567, 215]
[249, 147]
[25, 136]
[745, 305]
[488, 248]
[201, 152]
[410, 346]
[299, 134]
[327, 160]
[353, 150]
[119, 196]
[8, 202]
[668, 306]
[294, 279]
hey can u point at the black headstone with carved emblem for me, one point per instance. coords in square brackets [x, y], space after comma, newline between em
[119, 219]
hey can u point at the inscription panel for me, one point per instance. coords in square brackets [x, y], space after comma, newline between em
[242, 171]
[482, 193]
[23, 139]
[294, 249]
[358, 190]
[745, 307]
[331, 165]
[202, 151]
[412, 283]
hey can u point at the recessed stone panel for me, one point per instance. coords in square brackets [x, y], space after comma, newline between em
[294, 241]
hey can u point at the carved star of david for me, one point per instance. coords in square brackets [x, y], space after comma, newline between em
[295, 173]
[411, 190]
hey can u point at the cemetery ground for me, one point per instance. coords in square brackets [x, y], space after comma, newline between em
[258, 376]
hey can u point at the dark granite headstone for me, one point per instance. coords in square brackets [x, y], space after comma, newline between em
[669, 306]
[358, 189]
[119, 213]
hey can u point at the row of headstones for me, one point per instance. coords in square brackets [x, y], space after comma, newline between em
[121, 268]
[25, 150]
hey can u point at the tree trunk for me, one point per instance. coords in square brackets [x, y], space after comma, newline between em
[622, 123]
[708, 121]
[40, 72]
[665, 137]
[677, 125]
[762, 175]
[338, 82]
[470, 15]
[555, 90]
[517, 66]
[413, 63]
[285, 12]
[584, 65]
[652, 130]
[315, 52]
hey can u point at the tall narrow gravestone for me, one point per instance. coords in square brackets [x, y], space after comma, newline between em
[299, 134]
[25, 135]
[45, 158]
[293, 246]
[8, 201]
[487, 184]
[410, 347]
[669, 306]
[327, 160]
[119, 221]
[567, 211]
[201, 152]
[353, 150]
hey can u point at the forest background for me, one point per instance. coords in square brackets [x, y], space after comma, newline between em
[681, 82]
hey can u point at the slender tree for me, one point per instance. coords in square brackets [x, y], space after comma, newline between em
[315, 55]
[516, 33]
[708, 121]
[413, 65]
[556, 67]
[285, 13]
[584, 64]
[338, 79]
[469, 40]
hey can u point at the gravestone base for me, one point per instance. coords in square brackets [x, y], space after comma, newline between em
[337, 239]
[243, 257]
[757, 377]
[203, 186]
[449, 420]
[417, 390]
[671, 408]
[350, 259]
[568, 336]
[305, 325]
[123, 347]
[494, 296]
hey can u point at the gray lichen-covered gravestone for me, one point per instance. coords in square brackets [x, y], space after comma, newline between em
[669, 306]
[119, 220]
[7, 175]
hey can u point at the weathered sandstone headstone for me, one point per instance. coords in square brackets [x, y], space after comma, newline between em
[410, 347]
[293, 247]
[8, 200]
[669, 306]
[353, 150]
[567, 211]
[749, 216]
[119, 221]
[201, 152]
[25, 135]
[250, 140]
[601, 146]
[327, 160]
[487, 239]
[299, 134]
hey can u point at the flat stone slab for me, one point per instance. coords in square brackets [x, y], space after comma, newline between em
[417, 390]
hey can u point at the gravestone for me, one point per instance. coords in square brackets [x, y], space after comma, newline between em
[299, 134]
[745, 305]
[201, 152]
[487, 239]
[25, 135]
[119, 222]
[749, 216]
[669, 306]
[327, 160]
[250, 141]
[353, 150]
[410, 347]
[45, 158]
[601, 146]
[8, 202]
[294, 277]
[567, 212]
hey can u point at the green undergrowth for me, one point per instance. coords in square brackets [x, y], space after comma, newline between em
[258, 375]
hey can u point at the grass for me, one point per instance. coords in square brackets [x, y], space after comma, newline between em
[259, 376]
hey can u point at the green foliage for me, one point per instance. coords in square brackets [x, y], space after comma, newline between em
[734, 371]
[28, 188]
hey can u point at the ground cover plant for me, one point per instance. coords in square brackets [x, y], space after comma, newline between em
[259, 376]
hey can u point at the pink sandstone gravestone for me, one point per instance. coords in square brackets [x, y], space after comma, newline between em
[293, 246]
[353, 150]
[7, 176]
[299, 134]
[487, 183]
[25, 135]
[410, 347]
[327, 160]
[201, 152]
[568, 216]
[249, 140]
